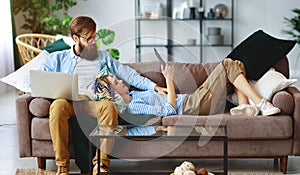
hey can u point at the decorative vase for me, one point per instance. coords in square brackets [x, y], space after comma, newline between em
[192, 13]
[211, 14]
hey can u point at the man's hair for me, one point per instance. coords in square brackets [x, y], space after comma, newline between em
[82, 25]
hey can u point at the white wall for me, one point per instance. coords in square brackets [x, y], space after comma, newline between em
[117, 15]
[250, 15]
[6, 45]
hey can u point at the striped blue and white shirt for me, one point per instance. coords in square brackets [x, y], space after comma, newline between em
[153, 103]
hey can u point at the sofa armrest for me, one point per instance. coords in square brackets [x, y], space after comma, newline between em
[296, 115]
[285, 101]
[24, 123]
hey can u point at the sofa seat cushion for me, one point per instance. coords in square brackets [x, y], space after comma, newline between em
[240, 127]
[40, 127]
[153, 121]
[200, 149]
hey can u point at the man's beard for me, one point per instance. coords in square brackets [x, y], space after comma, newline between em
[88, 52]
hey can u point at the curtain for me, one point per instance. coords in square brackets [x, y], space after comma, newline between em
[6, 43]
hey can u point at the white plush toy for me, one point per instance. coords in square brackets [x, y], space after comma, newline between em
[178, 171]
[188, 168]
[185, 167]
[189, 172]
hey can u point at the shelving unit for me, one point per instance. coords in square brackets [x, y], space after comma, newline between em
[166, 37]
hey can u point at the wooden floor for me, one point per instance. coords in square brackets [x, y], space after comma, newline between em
[9, 160]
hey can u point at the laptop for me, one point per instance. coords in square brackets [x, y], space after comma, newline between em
[54, 85]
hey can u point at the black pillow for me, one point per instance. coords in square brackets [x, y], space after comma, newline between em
[259, 52]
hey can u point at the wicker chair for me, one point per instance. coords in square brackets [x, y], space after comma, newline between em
[30, 45]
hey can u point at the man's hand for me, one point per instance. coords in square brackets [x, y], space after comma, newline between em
[161, 90]
[84, 97]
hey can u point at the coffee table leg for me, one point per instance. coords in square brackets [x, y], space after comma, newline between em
[98, 156]
[90, 158]
[225, 156]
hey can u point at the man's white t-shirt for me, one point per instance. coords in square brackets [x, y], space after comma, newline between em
[87, 71]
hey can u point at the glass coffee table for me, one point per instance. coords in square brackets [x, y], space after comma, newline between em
[184, 132]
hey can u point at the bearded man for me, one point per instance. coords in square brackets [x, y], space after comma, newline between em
[85, 60]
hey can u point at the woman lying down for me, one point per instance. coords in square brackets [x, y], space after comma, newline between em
[203, 101]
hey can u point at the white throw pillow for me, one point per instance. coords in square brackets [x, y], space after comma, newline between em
[20, 78]
[270, 83]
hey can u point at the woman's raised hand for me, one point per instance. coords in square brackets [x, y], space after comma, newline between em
[168, 71]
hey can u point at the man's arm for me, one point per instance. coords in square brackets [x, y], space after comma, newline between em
[48, 64]
[61, 61]
[128, 74]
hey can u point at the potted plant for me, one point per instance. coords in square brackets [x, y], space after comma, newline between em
[51, 17]
[106, 37]
[294, 24]
[294, 32]
[45, 16]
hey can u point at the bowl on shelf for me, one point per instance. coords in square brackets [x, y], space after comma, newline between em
[214, 30]
[221, 11]
[215, 39]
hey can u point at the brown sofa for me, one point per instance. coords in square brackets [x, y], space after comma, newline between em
[248, 137]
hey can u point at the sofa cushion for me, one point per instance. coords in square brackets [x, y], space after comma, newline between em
[20, 79]
[188, 77]
[240, 127]
[177, 148]
[283, 67]
[271, 82]
[150, 70]
[58, 45]
[260, 49]
[284, 101]
[39, 107]
[153, 121]
[40, 127]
